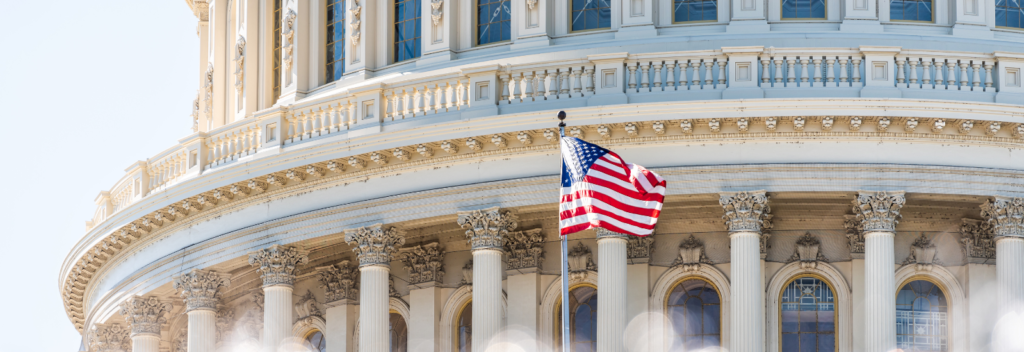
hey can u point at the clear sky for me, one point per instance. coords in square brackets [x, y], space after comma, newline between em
[86, 88]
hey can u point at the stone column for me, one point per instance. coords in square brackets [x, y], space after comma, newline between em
[425, 265]
[746, 213]
[1006, 215]
[525, 250]
[375, 247]
[611, 290]
[855, 240]
[878, 213]
[145, 316]
[341, 292]
[201, 291]
[638, 283]
[486, 230]
[276, 265]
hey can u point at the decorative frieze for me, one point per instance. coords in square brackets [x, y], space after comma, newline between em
[449, 147]
[1006, 215]
[525, 249]
[658, 127]
[145, 315]
[524, 138]
[109, 338]
[977, 241]
[307, 307]
[639, 248]
[808, 252]
[201, 288]
[632, 129]
[277, 263]
[878, 211]
[487, 228]
[499, 141]
[339, 282]
[745, 211]
[374, 245]
[581, 261]
[467, 273]
[424, 263]
[691, 255]
[922, 253]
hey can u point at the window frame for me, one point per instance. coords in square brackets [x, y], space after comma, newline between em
[323, 337]
[455, 327]
[393, 31]
[672, 16]
[835, 310]
[706, 280]
[276, 61]
[568, 23]
[328, 37]
[815, 19]
[475, 40]
[932, 20]
[996, 19]
[557, 334]
[400, 315]
[945, 295]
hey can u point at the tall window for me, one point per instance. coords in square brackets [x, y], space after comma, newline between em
[694, 308]
[695, 10]
[582, 320]
[808, 313]
[463, 331]
[591, 14]
[315, 342]
[921, 317]
[493, 21]
[1009, 13]
[803, 9]
[910, 10]
[277, 51]
[407, 29]
[335, 40]
[399, 332]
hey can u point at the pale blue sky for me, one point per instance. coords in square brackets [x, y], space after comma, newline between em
[86, 88]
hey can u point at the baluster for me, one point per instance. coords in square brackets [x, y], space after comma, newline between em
[708, 75]
[899, 72]
[988, 75]
[843, 73]
[448, 91]
[830, 72]
[632, 77]
[542, 77]
[790, 72]
[976, 77]
[396, 107]
[250, 136]
[317, 124]
[670, 74]
[577, 85]
[504, 88]
[517, 88]
[589, 84]
[350, 115]
[437, 98]
[950, 74]
[563, 79]
[963, 76]
[721, 73]
[417, 101]
[656, 82]
[235, 147]
[926, 73]
[778, 73]
[913, 72]
[645, 78]
[528, 79]
[817, 72]
[553, 86]
[257, 138]
[856, 70]
[695, 79]
[803, 71]
[459, 89]
[405, 103]
[765, 74]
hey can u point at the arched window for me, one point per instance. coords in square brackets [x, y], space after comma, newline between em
[399, 332]
[590, 14]
[921, 317]
[1009, 13]
[694, 10]
[582, 320]
[315, 341]
[493, 21]
[335, 40]
[803, 9]
[464, 329]
[808, 311]
[911, 10]
[694, 307]
[407, 29]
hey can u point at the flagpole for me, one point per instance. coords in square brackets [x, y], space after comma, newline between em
[564, 240]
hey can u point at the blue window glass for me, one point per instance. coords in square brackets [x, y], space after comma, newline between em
[694, 308]
[335, 40]
[493, 21]
[1009, 13]
[910, 10]
[921, 317]
[803, 9]
[695, 10]
[582, 318]
[591, 14]
[465, 335]
[407, 29]
[808, 313]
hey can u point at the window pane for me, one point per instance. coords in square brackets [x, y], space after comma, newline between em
[808, 313]
[921, 325]
[803, 9]
[590, 14]
[407, 29]
[695, 313]
[493, 21]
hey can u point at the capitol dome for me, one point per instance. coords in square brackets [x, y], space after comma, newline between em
[376, 176]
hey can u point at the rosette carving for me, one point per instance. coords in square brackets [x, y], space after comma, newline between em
[1006, 215]
[277, 263]
[525, 249]
[487, 228]
[374, 245]
[145, 315]
[339, 281]
[425, 263]
[878, 211]
[200, 288]
[745, 211]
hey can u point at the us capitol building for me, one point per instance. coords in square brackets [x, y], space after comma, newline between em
[381, 175]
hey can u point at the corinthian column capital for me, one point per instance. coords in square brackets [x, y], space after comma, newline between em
[745, 211]
[374, 245]
[339, 282]
[109, 338]
[487, 228]
[424, 263]
[1006, 215]
[878, 211]
[200, 288]
[145, 315]
[277, 263]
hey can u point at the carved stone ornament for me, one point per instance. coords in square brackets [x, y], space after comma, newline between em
[499, 141]
[883, 124]
[878, 211]
[200, 288]
[277, 263]
[687, 126]
[658, 127]
[639, 248]
[487, 228]
[808, 252]
[392, 291]
[449, 147]
[288, 40]
[436, 11]
[632, 129]
[355, 11]
[424, 263]
[250, 325]
[771, 123]
[977, 241]
[605, 233]
[922, 253]
[201, 8]
[524, 138]
[938, 125]
[576, 132]
[854, 234]
[745, 211]
[525, 249]
[531, 4]
[467, 273]
[691, 255]
[109, 338]
[239, 64]
[580, 261]
[307, 307]
[145, 315]
[604, 131]
[208, 89]
[195, 113]
[715, 125]
[1006, 215]
[474, 144]
[743, 124]
[855, 123]
[225, 319]
[550, 135]
[339, 282]
[910, 125]
[180, 341]
[374, 245]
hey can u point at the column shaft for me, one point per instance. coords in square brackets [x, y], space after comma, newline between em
[373, 309]
[1010, 272]
[486, 297]
[277, 316]
[747, 311]
[202, 330]
[146, 343]
[879, 292]
[611, 294]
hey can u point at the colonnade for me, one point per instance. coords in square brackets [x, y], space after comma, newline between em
[747, 217]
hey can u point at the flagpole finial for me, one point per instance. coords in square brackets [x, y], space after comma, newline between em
[561, 119]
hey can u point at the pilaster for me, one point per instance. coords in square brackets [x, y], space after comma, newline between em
[879, 79]
[359, 43]
[1009, 74]
[426, 301]
[484, 90]
[295, 42]
[861, 16]
[532, 23]
[638, 283]
[247, 69]
[486, 230]
[748, 16]
[425, 264]
[200, 113]
[438, 27]
[637, 20]
[973, 18]
[878, 214]
[746, 213]
[375, 247]
[525, 252]
[216, 84]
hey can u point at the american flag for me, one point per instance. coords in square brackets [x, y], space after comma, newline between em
[601, 190]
